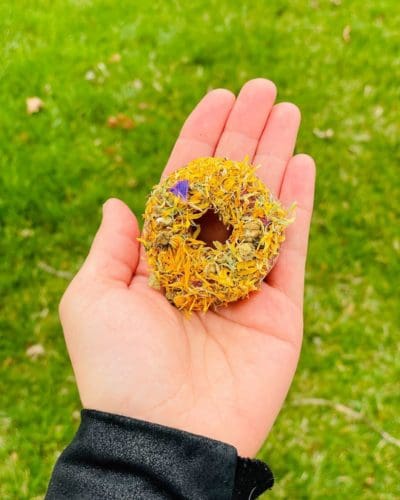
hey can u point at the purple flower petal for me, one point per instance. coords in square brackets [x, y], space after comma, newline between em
[265, 221]
[181, 189]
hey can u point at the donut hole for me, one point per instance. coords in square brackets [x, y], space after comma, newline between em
[212, 229]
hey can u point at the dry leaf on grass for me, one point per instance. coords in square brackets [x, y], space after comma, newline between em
[33, 105]
[76, 415]
[111, 150]
[137, 84]
[120, 121]
[98, 74]
[323, 134]
[34, 351]
[115, 58]
[26, 233]
[90, 76]
[346, 33]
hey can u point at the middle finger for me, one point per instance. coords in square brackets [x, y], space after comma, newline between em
[247, 120]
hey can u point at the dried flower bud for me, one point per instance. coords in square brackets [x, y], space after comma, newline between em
[162, 239]
[164, 221]
[246, 251]
[253, 230]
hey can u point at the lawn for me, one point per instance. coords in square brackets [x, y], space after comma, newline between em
[150, 61]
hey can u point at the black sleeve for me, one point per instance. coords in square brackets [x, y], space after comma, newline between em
[117, 457]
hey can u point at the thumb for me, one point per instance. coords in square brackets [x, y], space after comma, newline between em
[115, 250]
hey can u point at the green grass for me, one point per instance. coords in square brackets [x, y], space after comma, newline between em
[57, 167]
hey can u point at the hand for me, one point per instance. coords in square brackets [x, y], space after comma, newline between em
[222, 374]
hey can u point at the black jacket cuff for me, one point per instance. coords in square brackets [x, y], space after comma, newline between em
[117, 457]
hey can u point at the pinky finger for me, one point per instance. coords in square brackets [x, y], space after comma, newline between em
[298, 186]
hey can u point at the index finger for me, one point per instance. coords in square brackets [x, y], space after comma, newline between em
[202, 129]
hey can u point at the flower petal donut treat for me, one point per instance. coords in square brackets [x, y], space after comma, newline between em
[193, 274]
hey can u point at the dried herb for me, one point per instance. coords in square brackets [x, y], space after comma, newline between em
[193, 275]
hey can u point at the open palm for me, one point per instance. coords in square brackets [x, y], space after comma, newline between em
[221, 374]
